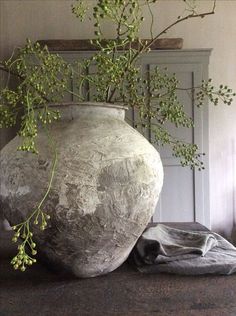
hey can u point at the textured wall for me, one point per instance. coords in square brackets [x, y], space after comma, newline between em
[40, 19]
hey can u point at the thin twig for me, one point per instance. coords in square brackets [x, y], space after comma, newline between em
[152, 19]
[189, 16]
[3, 68]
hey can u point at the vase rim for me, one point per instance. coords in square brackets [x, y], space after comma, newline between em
[95, 104]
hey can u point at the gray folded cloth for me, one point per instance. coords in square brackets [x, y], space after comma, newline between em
[165, 249]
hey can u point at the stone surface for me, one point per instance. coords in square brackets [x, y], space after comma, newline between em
[104, 193]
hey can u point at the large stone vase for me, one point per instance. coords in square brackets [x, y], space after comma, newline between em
[105, 190]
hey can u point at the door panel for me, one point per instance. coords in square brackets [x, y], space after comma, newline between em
[177, 200]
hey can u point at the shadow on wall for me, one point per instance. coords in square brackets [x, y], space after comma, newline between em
[6, 134]
[233, 235]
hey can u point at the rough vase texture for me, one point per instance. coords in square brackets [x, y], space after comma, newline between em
[105, 190]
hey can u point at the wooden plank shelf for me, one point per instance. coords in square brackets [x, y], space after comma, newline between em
[85, 45]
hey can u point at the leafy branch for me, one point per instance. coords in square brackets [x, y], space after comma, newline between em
[37, 217]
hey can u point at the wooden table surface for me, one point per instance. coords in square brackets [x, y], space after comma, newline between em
[40, 292]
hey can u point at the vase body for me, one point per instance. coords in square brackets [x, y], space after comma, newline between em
[105, 190]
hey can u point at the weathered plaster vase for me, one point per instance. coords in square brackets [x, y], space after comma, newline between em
[105, 190]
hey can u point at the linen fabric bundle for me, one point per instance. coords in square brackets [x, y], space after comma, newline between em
[166, 249]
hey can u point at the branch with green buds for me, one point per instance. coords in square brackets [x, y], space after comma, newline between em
[209, 92]
[23, 231]
[37, 217]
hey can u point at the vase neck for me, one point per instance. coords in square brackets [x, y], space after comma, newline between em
[90, 110]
